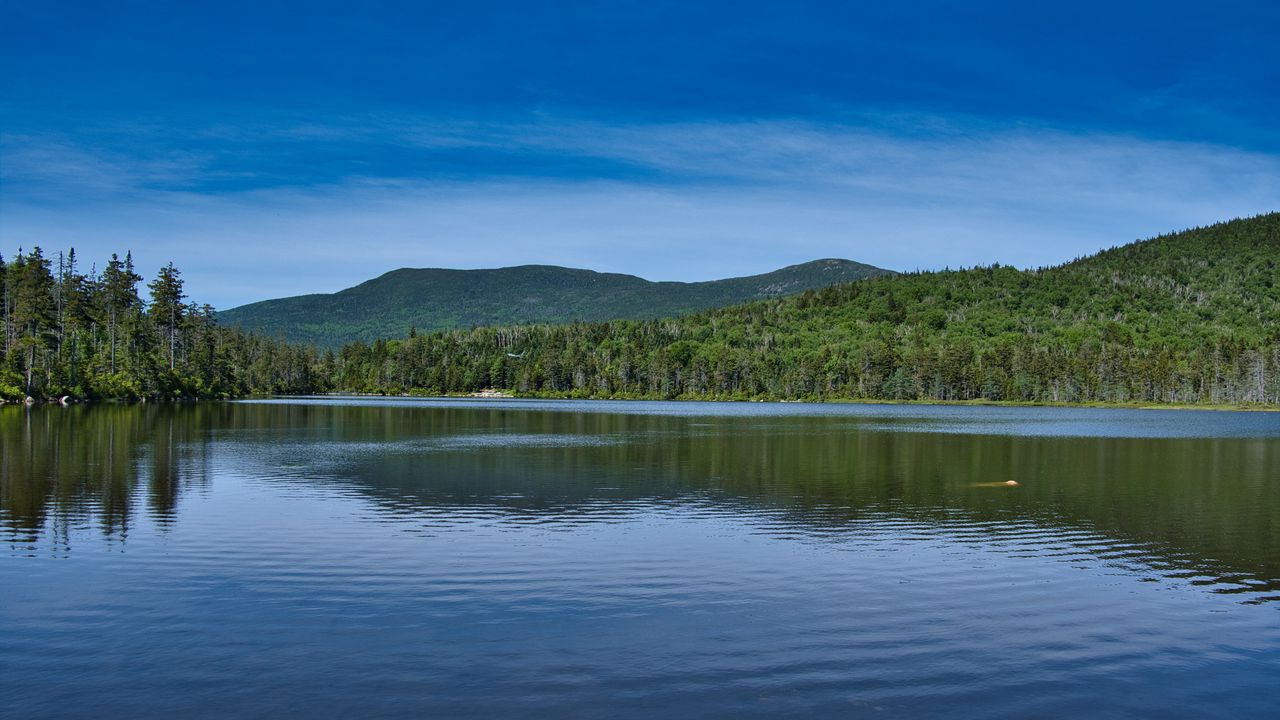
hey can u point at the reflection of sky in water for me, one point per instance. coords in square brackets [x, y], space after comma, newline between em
[317, 599]
[337, 448]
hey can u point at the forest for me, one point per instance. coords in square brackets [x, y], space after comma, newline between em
[1187, 318]
[88, 336]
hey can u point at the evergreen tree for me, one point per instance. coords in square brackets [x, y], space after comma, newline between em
[120, 296]
[166, 306]
[33, 314]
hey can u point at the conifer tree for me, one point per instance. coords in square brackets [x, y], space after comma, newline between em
[120, 295]
[33, 312]
[166, 305]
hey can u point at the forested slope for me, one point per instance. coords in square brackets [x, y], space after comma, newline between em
[438, 299]
[1191, 317]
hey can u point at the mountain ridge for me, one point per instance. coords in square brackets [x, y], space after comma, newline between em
[428, 299]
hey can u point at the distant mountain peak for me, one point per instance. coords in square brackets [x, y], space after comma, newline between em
[444, 298]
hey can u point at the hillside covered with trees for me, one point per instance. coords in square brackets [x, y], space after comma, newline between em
[435, 299]
[1191, 317]
[93, 336]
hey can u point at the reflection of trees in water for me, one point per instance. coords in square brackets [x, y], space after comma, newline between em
[1203, 506]
[1197, 506]
[97, 466]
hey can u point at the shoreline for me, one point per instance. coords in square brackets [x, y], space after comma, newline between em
[1220, 407]
[511, 395]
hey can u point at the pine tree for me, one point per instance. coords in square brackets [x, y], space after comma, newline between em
[33, 312]
[166, 306]
[120, 295]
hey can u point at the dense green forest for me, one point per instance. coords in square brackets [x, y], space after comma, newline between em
[435, 299]
[1191, 317]
[93, 336]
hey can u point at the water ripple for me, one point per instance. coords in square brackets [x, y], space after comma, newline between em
[407, 560]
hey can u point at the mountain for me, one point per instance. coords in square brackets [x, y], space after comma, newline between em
[438, 299]
[1190, 317]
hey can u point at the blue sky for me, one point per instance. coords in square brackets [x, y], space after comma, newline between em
[273, 149]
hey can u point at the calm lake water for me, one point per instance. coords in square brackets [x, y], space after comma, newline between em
[407, 558]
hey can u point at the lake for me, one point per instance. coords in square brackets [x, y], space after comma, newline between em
[363, 557]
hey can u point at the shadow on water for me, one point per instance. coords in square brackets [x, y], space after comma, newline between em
[1201, 508]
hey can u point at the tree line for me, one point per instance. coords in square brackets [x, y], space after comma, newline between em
[1191, 317]
[93, 335]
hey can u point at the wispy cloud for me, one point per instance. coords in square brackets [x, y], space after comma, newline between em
[296, 207]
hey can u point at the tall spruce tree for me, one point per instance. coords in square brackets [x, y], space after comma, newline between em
[120, 296]
[166, 306]
[33, 313]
